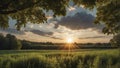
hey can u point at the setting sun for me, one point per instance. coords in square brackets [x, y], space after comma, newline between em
[69, 40]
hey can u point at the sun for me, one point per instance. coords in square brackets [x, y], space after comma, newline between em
[69, 40]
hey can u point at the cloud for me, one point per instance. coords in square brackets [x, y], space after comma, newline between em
[82, 6]
[12, 30]
[42, 33]
[71, 8]
[46, 34]
[81, 20]
[49, 17]
[56, 38]
[94, 37]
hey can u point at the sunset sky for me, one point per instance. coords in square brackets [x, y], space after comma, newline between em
[77, 24]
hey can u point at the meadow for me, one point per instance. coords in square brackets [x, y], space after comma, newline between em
[81, 58]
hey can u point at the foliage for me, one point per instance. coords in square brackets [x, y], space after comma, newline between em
[34, 11]
[29, 11]
[10, 42]
[108, 13]
[88, 59]
[116, 40]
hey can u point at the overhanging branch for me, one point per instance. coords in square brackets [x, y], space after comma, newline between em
[18, 9]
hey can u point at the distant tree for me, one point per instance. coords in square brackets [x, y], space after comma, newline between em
[2, 40]
[89, 43]
[16, 45]
[33, 11]
[25, 44]
[19, 45]
[116, 40]
[10, 42]
[13, 42]
[48, 43]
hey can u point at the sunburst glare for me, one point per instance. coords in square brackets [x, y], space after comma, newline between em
[70, 44]
[69, 40]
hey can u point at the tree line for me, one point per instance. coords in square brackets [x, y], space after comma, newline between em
[10, 42]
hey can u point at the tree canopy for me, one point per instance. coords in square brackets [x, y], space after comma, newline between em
[34, 11]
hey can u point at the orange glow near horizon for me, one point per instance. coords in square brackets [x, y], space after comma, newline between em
[70, 45]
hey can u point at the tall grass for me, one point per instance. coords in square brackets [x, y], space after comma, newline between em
[87, 60]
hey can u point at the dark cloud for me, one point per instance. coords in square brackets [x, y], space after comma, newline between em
[12, 30]
[56, 38]
[80, 20]
[42, 33]
[38, 32]
[96, 37]
[46, 34]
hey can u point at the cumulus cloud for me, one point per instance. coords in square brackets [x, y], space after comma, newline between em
[81, 20]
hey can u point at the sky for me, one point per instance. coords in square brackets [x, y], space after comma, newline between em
[77, 25]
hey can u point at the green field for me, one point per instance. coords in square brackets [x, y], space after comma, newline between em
[82, 58]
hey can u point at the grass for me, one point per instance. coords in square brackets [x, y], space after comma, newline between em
[83, 58]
